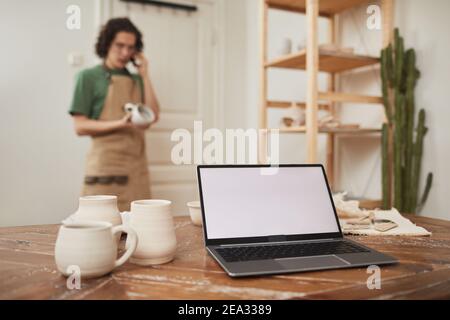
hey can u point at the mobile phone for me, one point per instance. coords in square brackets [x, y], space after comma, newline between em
[134, 62]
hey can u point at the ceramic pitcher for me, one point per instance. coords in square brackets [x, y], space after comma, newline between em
[98, 208]
[91, 247]
[153, 222]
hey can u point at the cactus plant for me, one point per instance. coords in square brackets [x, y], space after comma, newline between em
[399, 76]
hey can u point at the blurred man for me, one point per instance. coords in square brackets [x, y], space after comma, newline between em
[116, 163]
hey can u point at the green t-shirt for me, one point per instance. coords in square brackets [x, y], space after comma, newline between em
[91, 88]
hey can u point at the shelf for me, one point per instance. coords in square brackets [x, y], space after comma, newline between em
[329, 96]
[329, 58]
[287, 104]
[329, 61]
[327, 8]
[302, 129]
[349, 97]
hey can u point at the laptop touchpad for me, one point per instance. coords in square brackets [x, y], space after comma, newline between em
[311, 262]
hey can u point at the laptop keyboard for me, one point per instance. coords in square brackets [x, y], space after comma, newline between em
[263, 252]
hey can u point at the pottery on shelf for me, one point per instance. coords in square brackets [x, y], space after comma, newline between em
[140, 114]
[285, 46]
[195, 211]
[153, 222]
[337, 49]
[90, 247]
[287, 122]
[294, 116]
[301, 45]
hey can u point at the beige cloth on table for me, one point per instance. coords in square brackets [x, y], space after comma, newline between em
[404, 226]
[349, 211]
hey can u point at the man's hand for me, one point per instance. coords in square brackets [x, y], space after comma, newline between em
[149, 94]
[90, 127]
[142, 66]
[125, 122]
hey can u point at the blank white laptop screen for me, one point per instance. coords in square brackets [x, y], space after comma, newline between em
[241, 202]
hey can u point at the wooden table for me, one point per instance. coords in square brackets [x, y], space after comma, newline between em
[28, 271]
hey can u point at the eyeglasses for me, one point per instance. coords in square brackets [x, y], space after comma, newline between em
[117, 46]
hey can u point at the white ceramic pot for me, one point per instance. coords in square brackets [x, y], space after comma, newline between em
[285, 46]
[91, 247]
[140, 115]
[153, 222]
[301, 45]
[295, 113]
[98, 208]
[195, 211]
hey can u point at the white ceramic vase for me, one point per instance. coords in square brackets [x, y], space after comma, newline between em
[153, 222]
[90, 248]
[98, 208]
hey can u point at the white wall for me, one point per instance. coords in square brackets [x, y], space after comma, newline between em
[40, 170]
[424, 26]
[234, 35]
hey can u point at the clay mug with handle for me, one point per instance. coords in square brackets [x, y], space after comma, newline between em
[91, 247]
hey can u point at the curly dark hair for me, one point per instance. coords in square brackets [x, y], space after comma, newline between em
[109, 31]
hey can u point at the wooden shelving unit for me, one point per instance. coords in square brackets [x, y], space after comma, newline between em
[313, 60]
[302, 129]
[328, 8]
[329, 61]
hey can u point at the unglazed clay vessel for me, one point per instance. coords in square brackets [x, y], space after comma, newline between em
[140, 114]
[195, 211]
[153, 222]
[285, 46]
[91, 246]
[296, 114]
[98, 208]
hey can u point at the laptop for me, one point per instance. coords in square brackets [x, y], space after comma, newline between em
[260, 220]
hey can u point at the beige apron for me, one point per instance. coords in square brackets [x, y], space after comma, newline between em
[118, 159]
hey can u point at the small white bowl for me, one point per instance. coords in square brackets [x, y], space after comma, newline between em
[195, 211]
